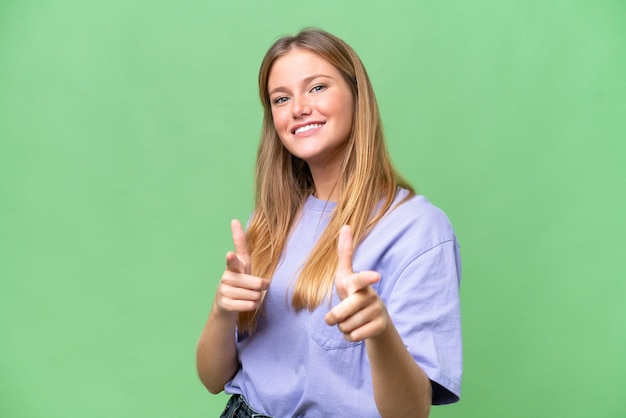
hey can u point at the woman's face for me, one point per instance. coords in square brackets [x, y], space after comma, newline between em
[312, 107]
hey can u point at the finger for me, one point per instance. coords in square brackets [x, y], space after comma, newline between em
[358, 322]
[239, 237]
[241, 247]
[359, 281]
[351, 306]
[238, 300]
[240, 293]
[367, 330]
[245, 281]
[344, 251]
[234, 264]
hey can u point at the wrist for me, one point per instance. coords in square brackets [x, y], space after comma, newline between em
[221, 315]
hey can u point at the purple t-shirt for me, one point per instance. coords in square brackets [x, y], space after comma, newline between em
[295, 365]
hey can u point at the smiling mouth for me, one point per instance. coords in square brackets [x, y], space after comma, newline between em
[306, 128]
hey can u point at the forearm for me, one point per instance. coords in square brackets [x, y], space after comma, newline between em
[216, 354]
[401, 388]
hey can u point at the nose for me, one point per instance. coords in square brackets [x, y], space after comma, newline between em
[300, 106]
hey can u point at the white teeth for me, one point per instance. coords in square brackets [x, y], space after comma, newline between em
[308, 127]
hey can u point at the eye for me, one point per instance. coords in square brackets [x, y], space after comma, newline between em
[279, 100]
[318, 87]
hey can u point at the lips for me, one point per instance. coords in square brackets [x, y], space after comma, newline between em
[305, 127]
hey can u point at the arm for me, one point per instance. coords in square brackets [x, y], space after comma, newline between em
[401, 388]
[216, 354]
[238, 291]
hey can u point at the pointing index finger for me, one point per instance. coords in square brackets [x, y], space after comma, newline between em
[361, 280]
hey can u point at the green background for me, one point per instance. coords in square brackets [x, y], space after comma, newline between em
[128, 133]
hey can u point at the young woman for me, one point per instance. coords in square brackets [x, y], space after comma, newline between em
[341, 299]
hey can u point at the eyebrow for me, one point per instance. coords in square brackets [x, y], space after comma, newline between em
[305, 80]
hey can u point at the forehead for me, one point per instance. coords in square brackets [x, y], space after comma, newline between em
[297, 65]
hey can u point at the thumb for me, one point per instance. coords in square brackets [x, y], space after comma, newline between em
[345, 251]
[241, 248]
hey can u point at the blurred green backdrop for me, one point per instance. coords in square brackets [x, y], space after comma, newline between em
[128, 134]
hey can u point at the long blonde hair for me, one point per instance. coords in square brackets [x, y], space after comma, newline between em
[284, 181]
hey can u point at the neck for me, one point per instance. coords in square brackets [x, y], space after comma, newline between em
[327, 186]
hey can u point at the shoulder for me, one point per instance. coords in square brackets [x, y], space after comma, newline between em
[415, 216]
[412, 227]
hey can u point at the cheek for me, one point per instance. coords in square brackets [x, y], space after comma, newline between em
[342, 107]
[347, 116]
[280, 121]
[281, 125]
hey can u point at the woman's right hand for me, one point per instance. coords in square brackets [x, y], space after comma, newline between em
[238, 290]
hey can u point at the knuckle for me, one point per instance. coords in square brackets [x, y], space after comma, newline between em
[250, 306]
[258, 283]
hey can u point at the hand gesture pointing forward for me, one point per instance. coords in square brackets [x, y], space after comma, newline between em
[239, 291]
[361, 314]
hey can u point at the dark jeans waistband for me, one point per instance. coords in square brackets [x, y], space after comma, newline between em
[237, 407]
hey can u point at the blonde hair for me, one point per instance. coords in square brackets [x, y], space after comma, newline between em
[284, 181]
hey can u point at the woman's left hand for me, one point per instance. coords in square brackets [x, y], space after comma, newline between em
[361, 314]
